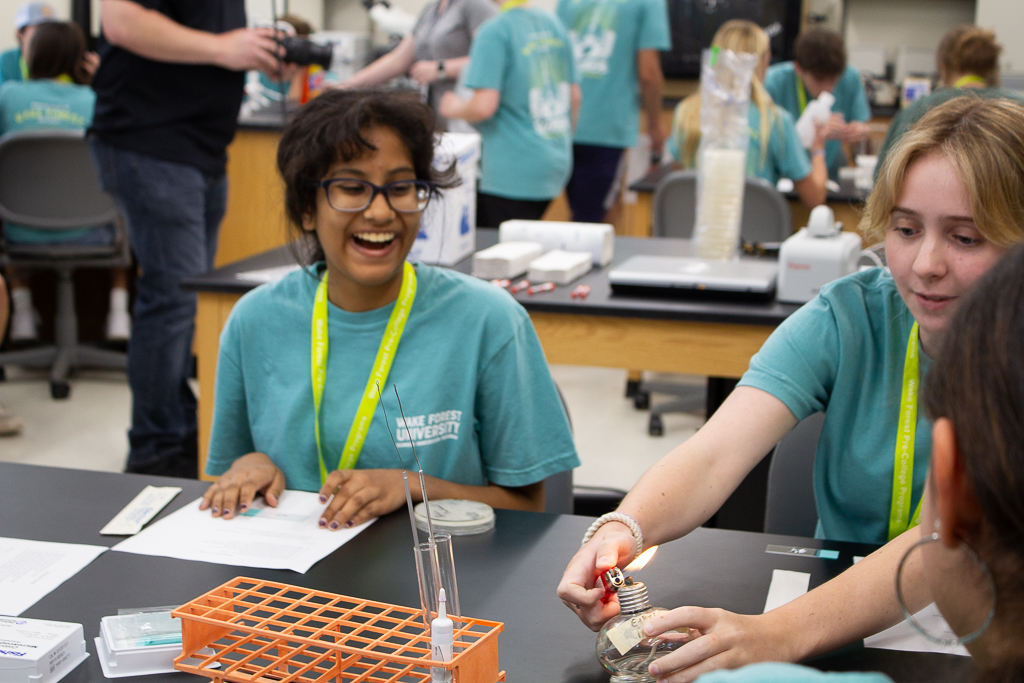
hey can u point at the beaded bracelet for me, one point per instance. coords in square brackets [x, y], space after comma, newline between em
[622, 517]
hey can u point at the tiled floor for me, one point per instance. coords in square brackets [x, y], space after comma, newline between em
[88, 430]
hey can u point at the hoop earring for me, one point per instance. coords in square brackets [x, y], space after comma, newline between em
[910, 616]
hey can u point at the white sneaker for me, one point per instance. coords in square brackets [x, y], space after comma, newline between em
[10, 424]
[119, 325]
[23, 325]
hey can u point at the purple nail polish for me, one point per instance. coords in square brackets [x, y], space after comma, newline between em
[323, 522]
[215, 510]
[243, 507]
[334, 526]
[348, 524]
[227, 512]
[323, 498]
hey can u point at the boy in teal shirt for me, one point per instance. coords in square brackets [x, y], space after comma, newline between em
[616, 44]
[12, 62]
[525, 104]
[819, 65]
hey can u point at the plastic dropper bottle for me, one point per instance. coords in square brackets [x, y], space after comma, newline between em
[441, 641]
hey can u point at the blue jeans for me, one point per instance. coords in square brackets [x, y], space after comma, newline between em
[173, 212]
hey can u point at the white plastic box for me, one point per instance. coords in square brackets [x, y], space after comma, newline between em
[37, 651]
[448, 227]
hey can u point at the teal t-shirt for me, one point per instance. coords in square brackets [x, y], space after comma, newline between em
[782, 158]
[479, 398]
[906, 118]
[843, 353]
[777, 672]
[606, 35]
[44, 103]
[851, 102]
[10, 65]
[525, 54]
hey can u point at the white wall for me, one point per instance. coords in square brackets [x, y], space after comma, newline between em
[906, 23]
[1006, 18]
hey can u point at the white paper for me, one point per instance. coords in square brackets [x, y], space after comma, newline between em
[904, 637]
[786, 586]
[31, 569]
[285, 537]
[143, 508]
[267, 274]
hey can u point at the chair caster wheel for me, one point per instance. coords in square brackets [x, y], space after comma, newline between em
[632, 387]
[642, 400]
[654, 427]
[60, 389]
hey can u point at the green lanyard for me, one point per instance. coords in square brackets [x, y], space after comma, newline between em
[903, 468]
[968, 80]
[381, 367]
[801, 93]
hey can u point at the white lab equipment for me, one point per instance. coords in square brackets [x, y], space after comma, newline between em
[815, 256]
[817, 111]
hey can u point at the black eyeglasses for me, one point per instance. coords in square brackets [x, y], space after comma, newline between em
[353, 195]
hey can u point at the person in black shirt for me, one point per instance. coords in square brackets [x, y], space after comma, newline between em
[168, 91]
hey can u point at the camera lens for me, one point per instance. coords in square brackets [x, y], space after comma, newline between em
[305, 52]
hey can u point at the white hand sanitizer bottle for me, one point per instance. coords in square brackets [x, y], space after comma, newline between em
[441, 641]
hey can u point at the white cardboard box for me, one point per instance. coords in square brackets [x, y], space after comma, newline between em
[37, 651]
[448, 227]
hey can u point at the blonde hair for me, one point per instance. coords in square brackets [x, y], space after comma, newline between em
[983, 139]
[737, 35]
[967, 50]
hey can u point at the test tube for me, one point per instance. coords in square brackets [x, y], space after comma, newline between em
[435, 569]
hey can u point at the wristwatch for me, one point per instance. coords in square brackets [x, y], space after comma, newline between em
[440, 70]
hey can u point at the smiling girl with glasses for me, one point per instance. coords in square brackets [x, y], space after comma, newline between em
[296, 402]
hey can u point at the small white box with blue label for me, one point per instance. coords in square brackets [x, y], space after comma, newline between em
[448, 227]
[37, 651]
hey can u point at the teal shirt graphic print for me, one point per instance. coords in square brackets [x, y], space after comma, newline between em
[550, 100]
[593, 38]
[606, 37]
[525, 54]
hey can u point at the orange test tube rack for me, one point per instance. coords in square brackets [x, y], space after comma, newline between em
[255, 631]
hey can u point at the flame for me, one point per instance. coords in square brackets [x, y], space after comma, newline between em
[641, 561]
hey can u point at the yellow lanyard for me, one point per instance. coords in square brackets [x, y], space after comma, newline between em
[903, 468]
[801, 93]
[381, 367]
[512, 4]
[968, 80]
[23, 67]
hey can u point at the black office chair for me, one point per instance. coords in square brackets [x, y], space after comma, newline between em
[766, 218]
[48, 181]
[790, 507]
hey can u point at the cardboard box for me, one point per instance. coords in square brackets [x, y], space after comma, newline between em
[448, 227]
